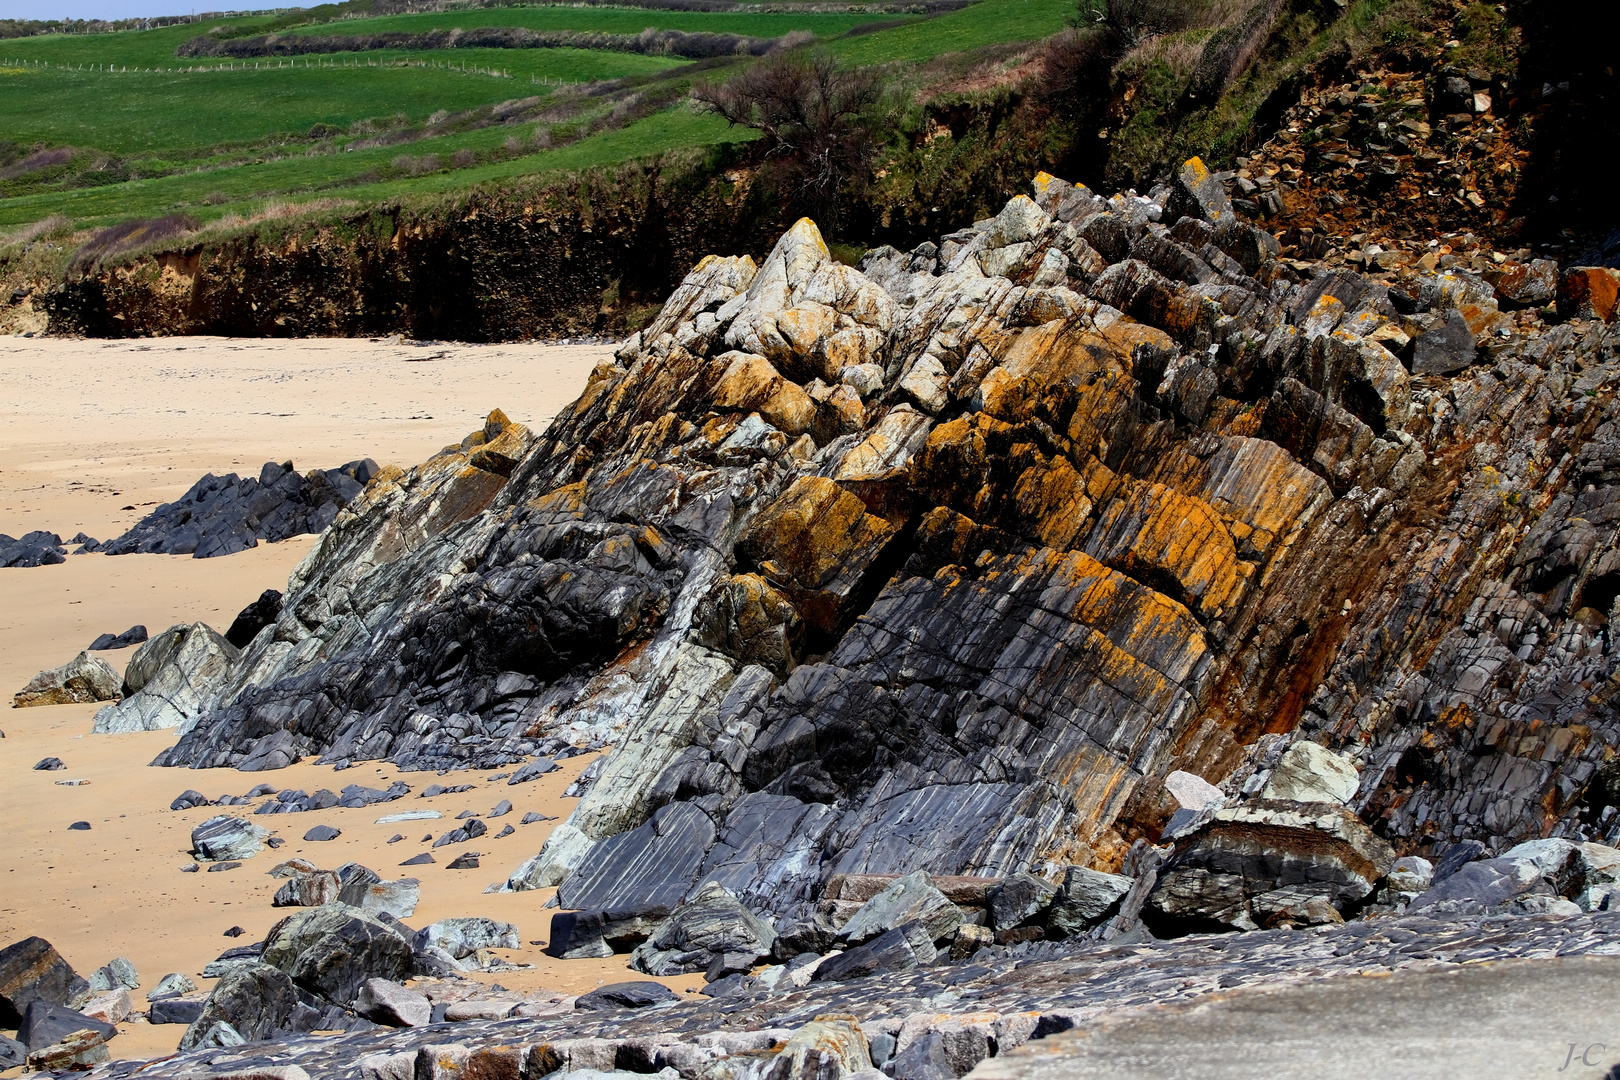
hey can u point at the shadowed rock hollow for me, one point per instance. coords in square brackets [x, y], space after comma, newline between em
[948, 562]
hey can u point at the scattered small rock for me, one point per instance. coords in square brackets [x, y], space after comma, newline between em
[419, 860]
[235, 931]
[467, 860]
[220, 867]
[80, 826]
[108, 642]
[322, 833]
[49, 764]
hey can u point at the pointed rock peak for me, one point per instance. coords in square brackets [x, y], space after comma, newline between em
[798, 255]
[495, 423]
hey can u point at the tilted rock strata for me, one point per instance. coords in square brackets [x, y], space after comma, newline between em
[1099, 495]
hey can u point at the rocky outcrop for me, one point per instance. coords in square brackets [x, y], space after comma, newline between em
[221, 515]
[1100, 494]
[82, 680]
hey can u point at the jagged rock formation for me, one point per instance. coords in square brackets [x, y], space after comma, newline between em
[947, 563]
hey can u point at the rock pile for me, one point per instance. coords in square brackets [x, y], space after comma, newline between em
[221, 515]
[32, 549]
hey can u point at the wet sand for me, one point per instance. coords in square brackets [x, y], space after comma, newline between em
[74, 411]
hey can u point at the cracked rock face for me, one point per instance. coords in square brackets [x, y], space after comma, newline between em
[949, 562]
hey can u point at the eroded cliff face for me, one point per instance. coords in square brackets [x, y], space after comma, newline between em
[946, 563]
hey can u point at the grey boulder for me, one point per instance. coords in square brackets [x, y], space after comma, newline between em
[169, 679]
[117, 974]
[175, 1010]
[1444, 349]
[32, 970]
[712, 933]
[462, 937]
[640, 994]
[46, 1024]
[910, 899]
[1310, 773]
[390, 1004]
[1088, 898]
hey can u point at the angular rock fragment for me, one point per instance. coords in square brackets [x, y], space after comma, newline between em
[332, 950]
[1308, 772]
[391, 1004]
[462, 937]
[133, 636]
[81, 680]
[910, 899]
[32, 970]
[37, 548]
[224, 838]
[254, 1001]
[625, 995]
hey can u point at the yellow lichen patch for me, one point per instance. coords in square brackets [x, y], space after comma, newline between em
[1159, 536]
[1254, 481]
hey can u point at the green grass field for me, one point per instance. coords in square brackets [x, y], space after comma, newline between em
[147, 113]
[245, 190]
[237, 135]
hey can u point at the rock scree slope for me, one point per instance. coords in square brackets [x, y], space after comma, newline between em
[949, 562]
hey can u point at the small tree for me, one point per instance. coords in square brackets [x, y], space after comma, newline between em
[816, 120]
[1131, 22]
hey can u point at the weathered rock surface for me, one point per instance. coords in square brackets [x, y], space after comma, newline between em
[389, 1003]
[221, 515]
[1007, 997]
[969, 615]
[1308, 772]
[82, 680]
[165, 684]
[255, 1001]
[332, 950]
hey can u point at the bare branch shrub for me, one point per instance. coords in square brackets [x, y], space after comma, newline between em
[817, 124]
[1131, 22]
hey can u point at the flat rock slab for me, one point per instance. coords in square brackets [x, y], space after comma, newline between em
[1515, 1018]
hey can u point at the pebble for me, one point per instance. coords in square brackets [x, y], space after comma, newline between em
[80, 826]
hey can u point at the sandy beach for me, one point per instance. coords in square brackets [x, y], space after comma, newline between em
[89, 428]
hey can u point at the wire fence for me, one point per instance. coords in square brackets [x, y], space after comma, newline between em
[282, 63]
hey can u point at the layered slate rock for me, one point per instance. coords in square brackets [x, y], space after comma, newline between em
[221, 515]
[82, 680]
[712, 933]
[333, 950]
[1135, 498]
